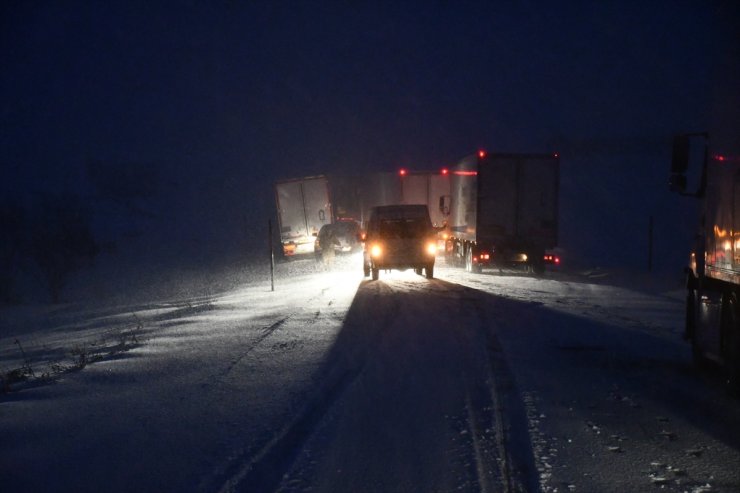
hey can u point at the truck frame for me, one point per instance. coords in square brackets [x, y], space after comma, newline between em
[713, 273]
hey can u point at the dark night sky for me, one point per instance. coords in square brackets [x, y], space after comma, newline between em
[223, 98]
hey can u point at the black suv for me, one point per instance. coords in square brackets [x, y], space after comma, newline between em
[400, 237]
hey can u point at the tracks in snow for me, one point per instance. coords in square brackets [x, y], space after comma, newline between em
[498, 449]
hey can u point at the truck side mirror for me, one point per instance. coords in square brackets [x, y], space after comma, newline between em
[444, 204]
[677, 183]
[680, 160]
[679, 163]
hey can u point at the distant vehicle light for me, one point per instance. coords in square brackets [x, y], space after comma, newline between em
[432, 248]
[465, 173]
[445, 171]
[552, 259]
[524, 257]
[556, 155]
[485, 256]
[402, 172]
[481, 154]
[376, 251]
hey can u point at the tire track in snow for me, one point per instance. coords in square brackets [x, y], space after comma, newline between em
[266, 332]
[508, 419]
[264, 470]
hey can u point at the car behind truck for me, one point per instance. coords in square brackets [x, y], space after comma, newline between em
[713, 274]
[504, 211]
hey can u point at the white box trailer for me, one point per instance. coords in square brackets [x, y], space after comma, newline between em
[504, 210]
[430, 188]
[303, 206]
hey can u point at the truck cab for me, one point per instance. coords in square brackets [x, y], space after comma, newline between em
[713, 271]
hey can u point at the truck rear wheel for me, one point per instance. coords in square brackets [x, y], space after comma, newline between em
[697, 353]
[376, 273]
[468, 260]
[731, 340]
[429, 271]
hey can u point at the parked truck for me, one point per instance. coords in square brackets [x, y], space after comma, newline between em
[503, 211]
[713, 273]
[303, 206]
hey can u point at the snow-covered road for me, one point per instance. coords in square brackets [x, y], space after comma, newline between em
[333, 383]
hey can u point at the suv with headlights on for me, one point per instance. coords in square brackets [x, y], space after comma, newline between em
[400, 237]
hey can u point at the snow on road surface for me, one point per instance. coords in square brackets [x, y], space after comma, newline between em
[334, 383]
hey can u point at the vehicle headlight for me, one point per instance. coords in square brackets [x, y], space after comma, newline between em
[431, 248]
[376, 251]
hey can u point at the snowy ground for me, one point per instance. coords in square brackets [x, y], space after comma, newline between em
[575, 382]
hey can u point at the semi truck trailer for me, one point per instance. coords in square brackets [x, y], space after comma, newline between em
[503, 211]
[303, 206]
